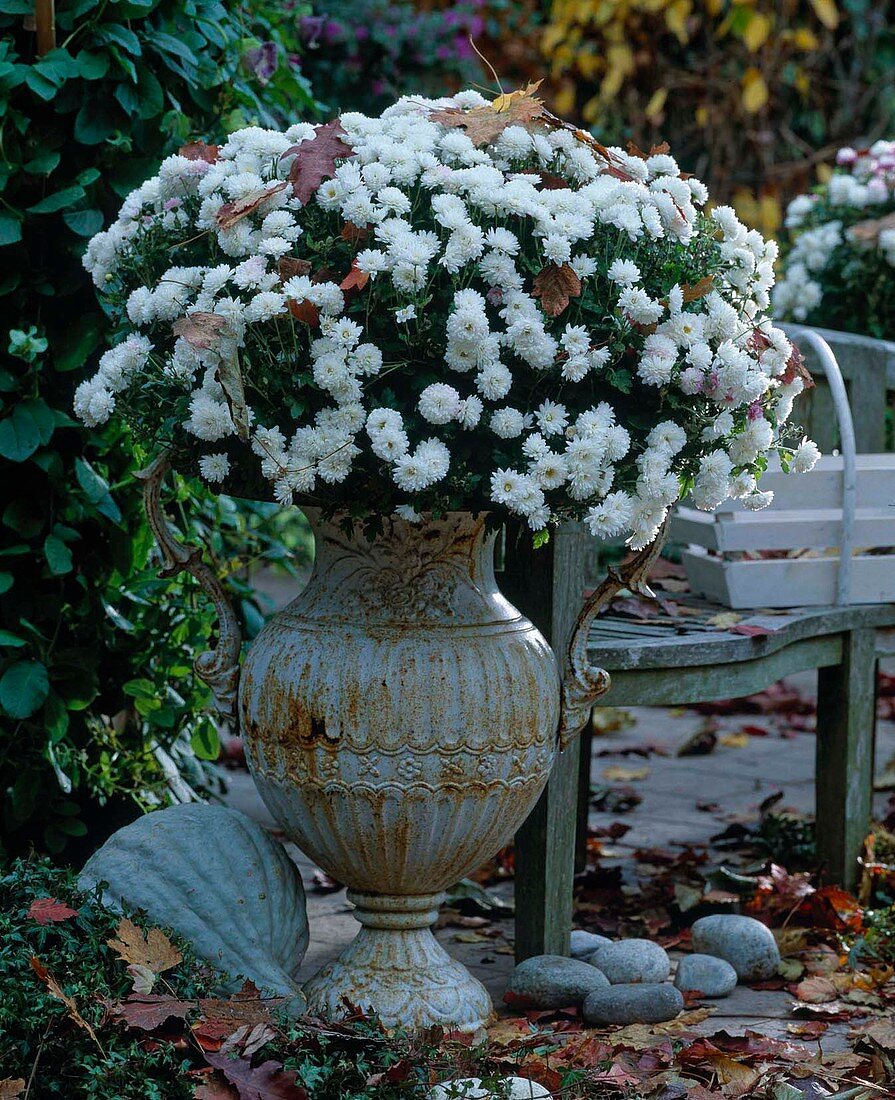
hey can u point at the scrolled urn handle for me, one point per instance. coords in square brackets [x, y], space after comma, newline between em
[584, 683]
[218, 667]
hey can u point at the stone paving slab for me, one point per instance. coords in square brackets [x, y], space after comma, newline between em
[738, 779]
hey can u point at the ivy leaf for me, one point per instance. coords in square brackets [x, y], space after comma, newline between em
[20, 435]
[269, 1081]
[58, 556]
[24, 688]
[153, 950]
[10, 229]
[57, 201]
[50, 911]
[315, 160]
[555, 285]
[232, 212]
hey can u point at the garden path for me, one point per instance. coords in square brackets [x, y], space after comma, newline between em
[729, 783]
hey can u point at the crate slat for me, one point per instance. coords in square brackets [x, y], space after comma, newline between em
[788, 582]
[779, 529]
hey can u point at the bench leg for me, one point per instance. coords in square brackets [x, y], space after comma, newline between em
[545, 858]
[846, 721]
[584, 762]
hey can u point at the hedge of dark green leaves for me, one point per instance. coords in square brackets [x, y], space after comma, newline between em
[97, 695]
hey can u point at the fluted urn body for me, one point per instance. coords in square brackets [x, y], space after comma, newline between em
[400, 719]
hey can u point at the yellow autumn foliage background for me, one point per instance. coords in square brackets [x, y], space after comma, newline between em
[755, 96]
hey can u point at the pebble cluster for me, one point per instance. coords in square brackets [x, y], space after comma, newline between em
[627, 981]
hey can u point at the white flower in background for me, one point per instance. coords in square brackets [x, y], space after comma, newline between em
[838, 233]
[214, 468]
[553, 364]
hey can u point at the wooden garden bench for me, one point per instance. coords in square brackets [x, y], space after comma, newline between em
[661, 663]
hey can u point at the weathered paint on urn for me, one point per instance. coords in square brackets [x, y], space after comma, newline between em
[400, 719]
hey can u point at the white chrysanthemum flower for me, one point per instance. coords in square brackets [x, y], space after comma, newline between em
[214, 468]
[439, 403]
[508, 423]
[405, 314]
[805, 457]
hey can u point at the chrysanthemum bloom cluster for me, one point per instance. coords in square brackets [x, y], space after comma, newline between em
[457, 305]
[840, 270]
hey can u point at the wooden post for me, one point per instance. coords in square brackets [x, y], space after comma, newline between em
[45, 25]
[846, 721]
[547, 585]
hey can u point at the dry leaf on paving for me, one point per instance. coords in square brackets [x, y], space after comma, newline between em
[315, 160]
[734, 740]
[620, 774]
[556, 285]
[56, 990]
[11, 1088]
[154, 950]
[737, 1079]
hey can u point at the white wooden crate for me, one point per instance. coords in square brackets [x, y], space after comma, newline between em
[724, 556]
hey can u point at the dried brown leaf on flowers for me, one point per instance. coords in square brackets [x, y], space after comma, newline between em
[11, 1088]
[304, 311]
[229, 375]
[148, 1011]
[232, 212]
[56, 990]
[200, 330]
[269, 1081]
[50, 911]
[698, 290]
[868, 232]
[289, 266]
[556, 285]
[354, 234]
[550, 182]
[315, 160]
[355, 279]
[153, 950]
[486, 123]
[660, 149]
[198, 150]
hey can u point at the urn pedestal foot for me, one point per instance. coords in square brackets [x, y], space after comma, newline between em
[397, 968]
